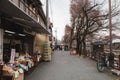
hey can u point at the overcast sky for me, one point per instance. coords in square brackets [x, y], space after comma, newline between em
[60, 15]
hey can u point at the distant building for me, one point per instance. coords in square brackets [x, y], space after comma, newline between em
[66, 37]
[51, 38]
[67, 29]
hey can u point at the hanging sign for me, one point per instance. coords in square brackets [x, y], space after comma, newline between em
[1, 44]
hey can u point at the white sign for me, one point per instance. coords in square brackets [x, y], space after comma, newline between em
[1, 44]
[12, 56]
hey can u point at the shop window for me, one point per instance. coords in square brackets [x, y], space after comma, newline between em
[6, 53]
[17, 47]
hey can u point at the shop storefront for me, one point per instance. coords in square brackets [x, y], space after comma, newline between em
[18, 36]
[21, 43]
[16, 50]
[15, 37]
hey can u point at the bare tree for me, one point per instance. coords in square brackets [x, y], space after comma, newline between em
[87, 19]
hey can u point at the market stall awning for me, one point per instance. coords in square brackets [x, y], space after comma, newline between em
[34, 26]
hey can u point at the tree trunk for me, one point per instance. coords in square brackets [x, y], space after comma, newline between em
[71, 40]
[80, 48]
[84, 48]
[71, 34]
[77, 46]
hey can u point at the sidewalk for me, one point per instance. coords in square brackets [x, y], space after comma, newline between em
[68, 67]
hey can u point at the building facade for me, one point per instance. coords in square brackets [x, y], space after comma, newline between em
[21, 21]
[66, 39]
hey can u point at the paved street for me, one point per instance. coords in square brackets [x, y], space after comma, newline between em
[68, 67]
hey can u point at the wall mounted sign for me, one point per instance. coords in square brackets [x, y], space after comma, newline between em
[1, 44]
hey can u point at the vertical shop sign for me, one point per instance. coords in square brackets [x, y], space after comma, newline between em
[1, 44]
[12, 55]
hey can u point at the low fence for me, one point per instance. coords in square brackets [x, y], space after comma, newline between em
[106, 52]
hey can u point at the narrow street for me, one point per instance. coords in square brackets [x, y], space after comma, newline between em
[68, 67]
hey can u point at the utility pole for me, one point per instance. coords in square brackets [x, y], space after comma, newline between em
[47, 14]
[110, 26]
[111, 56]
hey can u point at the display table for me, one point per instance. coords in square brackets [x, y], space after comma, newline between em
[8, 76]
[21, 77]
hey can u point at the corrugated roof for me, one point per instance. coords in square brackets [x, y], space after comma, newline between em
[116, 41]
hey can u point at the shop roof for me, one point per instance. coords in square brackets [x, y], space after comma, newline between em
[116, 41]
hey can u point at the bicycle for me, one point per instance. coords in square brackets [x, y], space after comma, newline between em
[105, 61]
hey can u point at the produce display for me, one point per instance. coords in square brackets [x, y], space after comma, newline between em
[47, 52]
